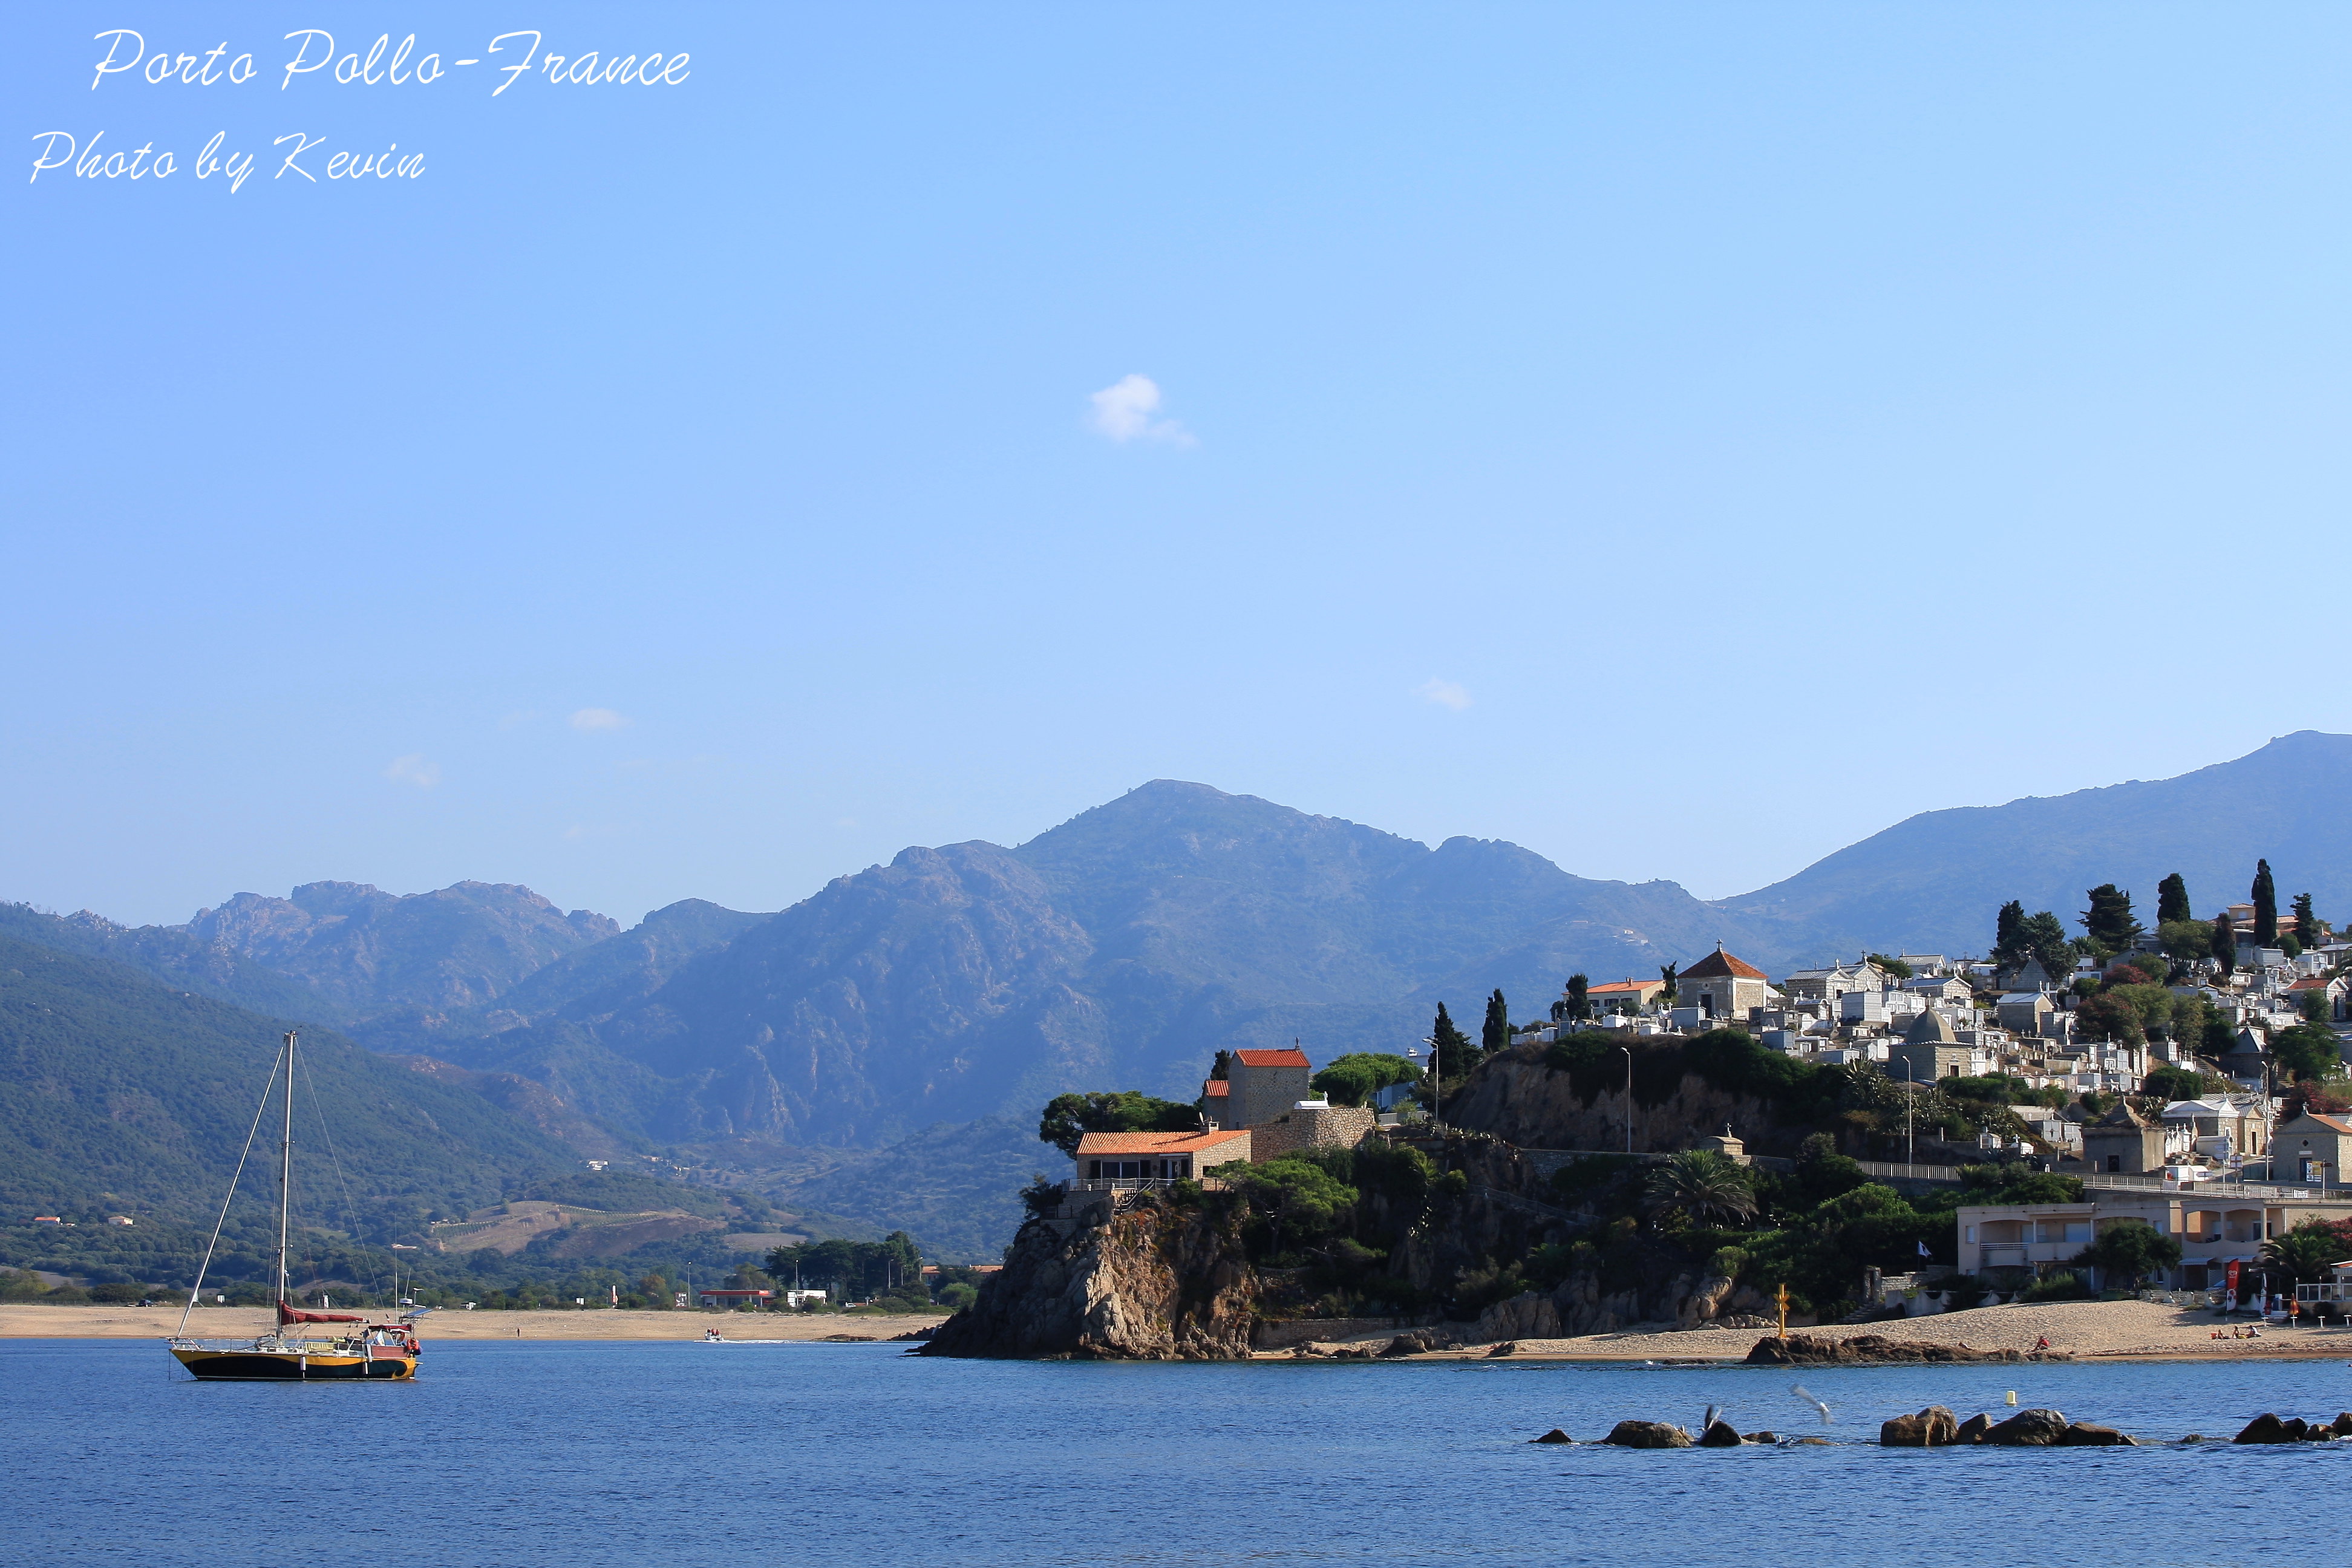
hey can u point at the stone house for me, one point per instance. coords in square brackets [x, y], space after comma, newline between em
[1263, 1085]
[1931, 1049]
[1723, 988]
[2123, 1142]
[2311, 1148]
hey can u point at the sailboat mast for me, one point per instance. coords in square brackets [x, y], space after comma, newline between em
[285, 1174]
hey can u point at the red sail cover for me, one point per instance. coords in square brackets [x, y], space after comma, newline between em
[287, 1314]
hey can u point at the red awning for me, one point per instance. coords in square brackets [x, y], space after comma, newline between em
[287, 1314]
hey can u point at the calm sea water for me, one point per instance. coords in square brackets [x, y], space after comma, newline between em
[643, 1454]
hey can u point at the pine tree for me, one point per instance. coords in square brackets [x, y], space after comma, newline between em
[2266, 906]
[2042, 936]
[2225, 943]
[2109, 920]
[1580, 996]
[1495, 1035]
[2004, 929]
[2307, 924]
[2172, 899]
[1449, 1047]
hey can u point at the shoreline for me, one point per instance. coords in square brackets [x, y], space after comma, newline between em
[35, 1321]
[2087, 1332]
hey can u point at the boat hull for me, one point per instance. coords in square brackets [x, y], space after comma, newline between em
[294, 1366]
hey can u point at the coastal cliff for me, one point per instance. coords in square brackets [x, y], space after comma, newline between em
[1521, 1098]
[1156, 1282]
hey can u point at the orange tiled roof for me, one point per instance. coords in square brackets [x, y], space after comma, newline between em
[1271, 1059]
[2334, 1124]
[1719, 965]
[1154, 1142]
[1217, 1088]
[1626, 986]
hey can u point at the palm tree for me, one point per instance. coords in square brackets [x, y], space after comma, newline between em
[1704, 1185]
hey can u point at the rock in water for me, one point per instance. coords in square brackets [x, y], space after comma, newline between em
[2342, 1424]
[1760, 1437]
[2268, 1428]
[2091, 1434]
[2034, 1428]
[1647, 1434]
[1720, 1434]
[1973, 1429]
[1931, 1428]
[1554, 1436]
[1817, 1350]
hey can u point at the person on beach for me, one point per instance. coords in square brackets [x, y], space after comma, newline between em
[2043, 1343]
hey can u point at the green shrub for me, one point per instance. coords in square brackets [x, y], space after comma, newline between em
[2063, 1286]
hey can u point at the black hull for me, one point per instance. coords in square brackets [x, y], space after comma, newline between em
[232, 1367]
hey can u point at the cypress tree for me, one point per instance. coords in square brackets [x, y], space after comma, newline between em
[2266, 906]
[2307, 924]
[1222, 1067]
[2225, 943]
[1579, 997]
[1495, 1035]
[1449, 1047]
[2004, 928]
[2172, 899]
[1666, 974]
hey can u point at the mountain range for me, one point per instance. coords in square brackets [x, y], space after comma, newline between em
[1121, 949]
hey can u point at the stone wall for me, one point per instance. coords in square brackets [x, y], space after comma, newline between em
[1341, 1127]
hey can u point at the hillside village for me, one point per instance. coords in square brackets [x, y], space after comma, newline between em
[2127, 1108]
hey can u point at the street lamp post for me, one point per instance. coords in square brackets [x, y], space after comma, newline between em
[1629, 1097]
[1910, 1097]
[1436, 1082]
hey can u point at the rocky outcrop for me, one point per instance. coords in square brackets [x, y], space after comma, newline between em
[1973, 1429]
[2269, 1429]
[1815, 1349]
[1647, 1434]
[1720, 1434]
[2091, 1434]
[1516, 1097]
[1932, 1427]
[1154, 1283]
[2029, 1428]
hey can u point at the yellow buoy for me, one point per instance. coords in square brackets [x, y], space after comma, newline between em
[2012, 1396]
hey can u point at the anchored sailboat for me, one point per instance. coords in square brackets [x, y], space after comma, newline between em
[372, 1351]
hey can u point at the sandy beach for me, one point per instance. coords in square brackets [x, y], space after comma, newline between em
[22, 1322]
[2090, 1331]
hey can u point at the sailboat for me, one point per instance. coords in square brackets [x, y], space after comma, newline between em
[304, 1346]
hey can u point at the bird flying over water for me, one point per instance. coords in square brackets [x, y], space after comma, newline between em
[1800, 1390]
[1711, 1412]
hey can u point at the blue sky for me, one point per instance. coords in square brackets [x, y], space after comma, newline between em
[1681, 440]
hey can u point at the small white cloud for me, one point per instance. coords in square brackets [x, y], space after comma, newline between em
[1445, 693]
[594, 719]
[414, 769]
[1124, 410]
